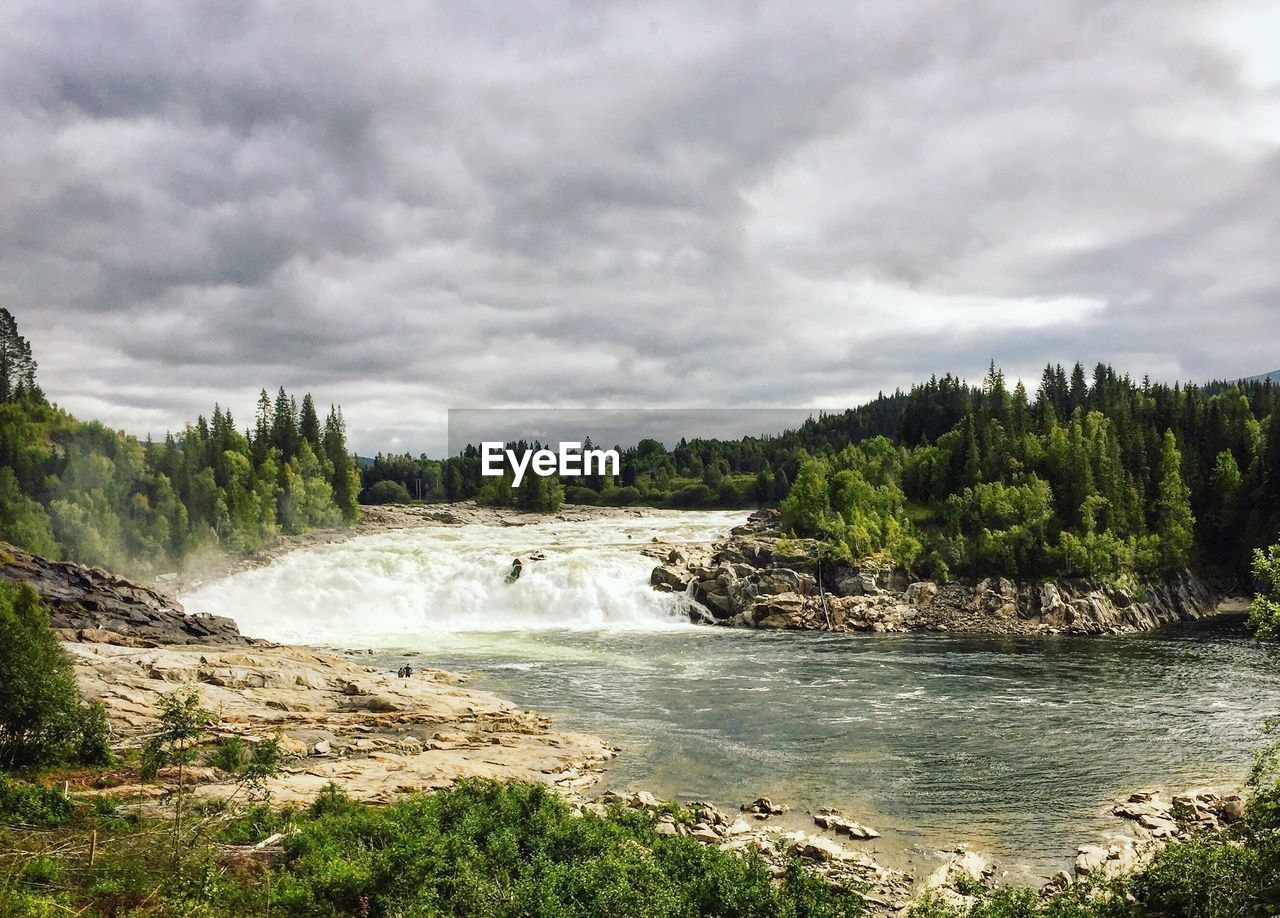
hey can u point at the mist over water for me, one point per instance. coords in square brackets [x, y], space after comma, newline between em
[395, 588]
[1013, 745]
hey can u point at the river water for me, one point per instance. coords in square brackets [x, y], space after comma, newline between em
[1012, 745]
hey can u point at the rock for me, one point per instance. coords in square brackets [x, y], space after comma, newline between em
[1057, 883]
[1232, 808]
[1117, 858]
[815, 847]
[704, 833]
[783, 610]
[827, 818]
[291, 745]
[743, 581]
[323, 747]
[100, 607]
[763, 806]
[962, 865]
[665, 828]
[922, 594]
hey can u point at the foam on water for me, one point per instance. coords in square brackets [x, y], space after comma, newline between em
[393, 588]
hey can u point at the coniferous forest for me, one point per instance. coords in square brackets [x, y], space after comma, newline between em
[1093, 475]
[78, 490]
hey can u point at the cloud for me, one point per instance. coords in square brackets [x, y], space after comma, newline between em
[411, 207]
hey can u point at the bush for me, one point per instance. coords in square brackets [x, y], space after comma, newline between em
[698, 495]
[1264, 612]
[32, 804]
[485, 848]
[620, 497]
[38, 698]
[229, 754]
[577, 494]
[385, 492]
[93, 746]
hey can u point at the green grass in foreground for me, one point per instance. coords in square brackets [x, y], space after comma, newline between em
[493, 849]
[480, 848]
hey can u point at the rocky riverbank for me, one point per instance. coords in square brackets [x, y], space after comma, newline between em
[752, 579]
[377, 735]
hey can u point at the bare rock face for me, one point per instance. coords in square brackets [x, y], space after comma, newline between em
[91, 604]
[376, 735]
[745, 581]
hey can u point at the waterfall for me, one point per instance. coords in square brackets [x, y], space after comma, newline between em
[385, 587]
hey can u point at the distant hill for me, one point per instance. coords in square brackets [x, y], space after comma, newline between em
[1274, 376]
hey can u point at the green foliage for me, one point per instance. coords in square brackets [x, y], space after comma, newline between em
[229, 754]
[515, 849]
[91, 494]
[853, 501]
[1264, 611]
[38, 697]
[179, 728]
[32, 804]
[577, 494]
[93, 740]
[386, 492]
[539, 494]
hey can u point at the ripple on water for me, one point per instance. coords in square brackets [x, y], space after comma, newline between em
[1011, 744]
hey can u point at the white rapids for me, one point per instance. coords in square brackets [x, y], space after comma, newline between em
[390, 588]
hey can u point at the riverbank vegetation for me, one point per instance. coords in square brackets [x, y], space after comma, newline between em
[77, 490]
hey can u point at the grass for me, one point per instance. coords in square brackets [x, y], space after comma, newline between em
[480, 848]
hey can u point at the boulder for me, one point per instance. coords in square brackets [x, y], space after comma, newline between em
[835, 821]
[922, 593]
[785, 610]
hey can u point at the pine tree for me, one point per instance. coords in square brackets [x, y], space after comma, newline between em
[346, 477]
[284, 426]
[17, 366]
[262, 428]
[1175, 525]
[309, 422]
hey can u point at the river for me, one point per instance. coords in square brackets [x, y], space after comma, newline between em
[1012, 745]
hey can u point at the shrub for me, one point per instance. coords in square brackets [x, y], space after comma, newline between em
[32, 804]
[93, 744]
[577, 494]
[698, 495]
[516, 849]
[38, 698]
[620, 497]
[229, 754]
[385, 492]
[1264, 611]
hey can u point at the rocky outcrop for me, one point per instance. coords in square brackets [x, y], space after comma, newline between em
[91, 604]
[1152, 821]
[338, 720]
[747, 580]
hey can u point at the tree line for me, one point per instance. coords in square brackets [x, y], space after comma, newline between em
[82, 491]
[1094, 474]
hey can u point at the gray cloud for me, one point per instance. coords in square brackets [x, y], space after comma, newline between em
[412, 207]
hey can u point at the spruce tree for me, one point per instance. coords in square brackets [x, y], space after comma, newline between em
[17, 366]
[1175, 525]
[309, 423]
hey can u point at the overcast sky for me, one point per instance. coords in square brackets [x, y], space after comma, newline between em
[411, 207]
